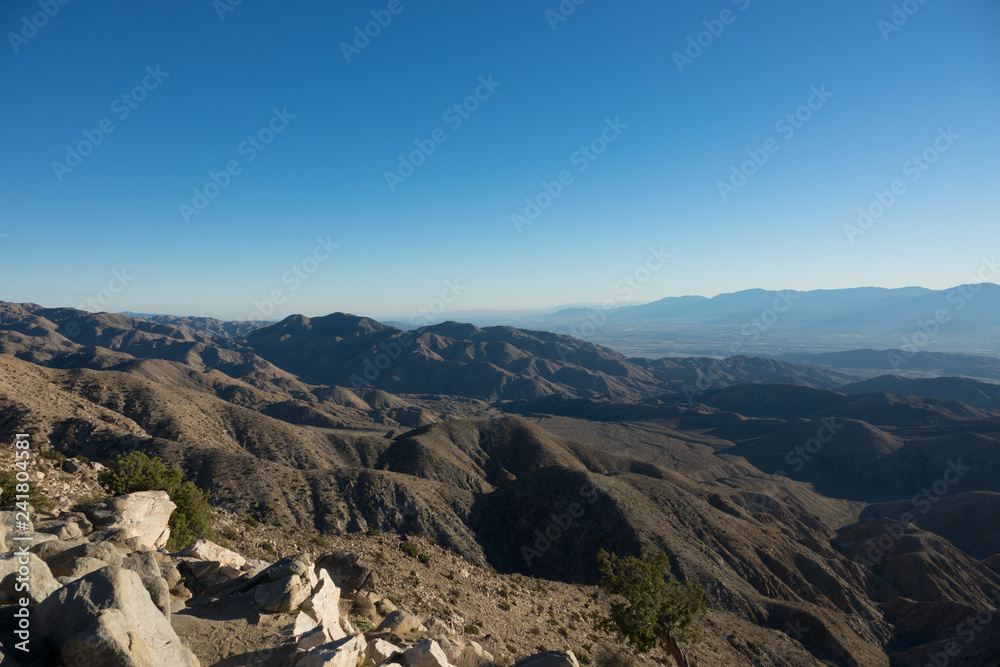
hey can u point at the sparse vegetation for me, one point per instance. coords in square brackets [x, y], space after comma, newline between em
[657, 609]
[36, 497]
[134, 472]
[410, 548]
[52, 455]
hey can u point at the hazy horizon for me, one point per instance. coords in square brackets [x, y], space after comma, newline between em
[216, 155]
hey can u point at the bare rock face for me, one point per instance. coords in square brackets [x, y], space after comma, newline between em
[427, 653]
[549, 659]
[143, 515]
[107, 618]
[41, 583]
[322, 609]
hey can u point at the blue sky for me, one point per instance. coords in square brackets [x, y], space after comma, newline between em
[554, 87]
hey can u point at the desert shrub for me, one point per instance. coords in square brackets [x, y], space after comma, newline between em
[652, 607]
[410, 548]
[361, 624]
[87, 500]
[134, 472]
[472, 629]
[608, 656]
[52, 455]
[36, 497]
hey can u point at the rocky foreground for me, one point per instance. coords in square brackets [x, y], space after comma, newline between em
[102, 591]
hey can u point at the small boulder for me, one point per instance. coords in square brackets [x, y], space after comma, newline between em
[363, 607]
[49, 550]
[438, 627]
[401, 623]
[282, 596]
[207, 550]
[346, 652]
[427, 653]
[379, 650]
[11, 521]
[549, 659]
[62, 530]
[143, 515]
[41, 583]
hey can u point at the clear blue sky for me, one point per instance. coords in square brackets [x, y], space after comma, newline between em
[323, 175]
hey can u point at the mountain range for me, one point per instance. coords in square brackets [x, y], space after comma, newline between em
[846, 519]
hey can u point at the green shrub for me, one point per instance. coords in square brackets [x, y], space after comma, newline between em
[267, 546]
[8, 486]
[52, 455]
[87, 500]
[472, 629]
[134, 472]
[410, 549]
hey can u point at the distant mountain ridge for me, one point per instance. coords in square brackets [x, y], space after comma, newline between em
[971, 306]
